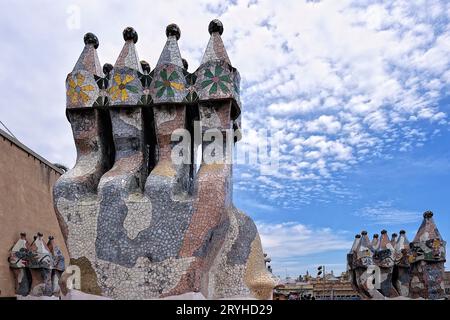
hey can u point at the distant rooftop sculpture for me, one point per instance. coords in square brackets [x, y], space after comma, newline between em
[136, 223]
[397, 268]
[37, 267]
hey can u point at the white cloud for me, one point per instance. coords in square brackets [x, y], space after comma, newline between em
[291, 239]
[337, 80]
[384, 213]
[325, 123]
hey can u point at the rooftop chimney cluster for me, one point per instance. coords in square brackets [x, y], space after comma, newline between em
[136, 205]
[132, 82]
[394, 267]
[37, 266]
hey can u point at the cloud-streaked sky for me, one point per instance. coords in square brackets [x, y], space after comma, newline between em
[356, 92]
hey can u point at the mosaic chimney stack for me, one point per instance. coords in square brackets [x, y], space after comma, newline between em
[398, 267]
[402, 265]
[85, 87]
[427, 262]
[36, 266]
[139, 220]
[383, 258]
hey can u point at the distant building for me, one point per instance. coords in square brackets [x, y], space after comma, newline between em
[328, 288]
[26, 184]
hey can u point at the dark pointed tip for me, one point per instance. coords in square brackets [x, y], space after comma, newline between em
[50, 238]
[34, 237]
[23, 234]
[383, 231]
[40, 234]
[357, 236]
[107, 68]
[402, 232]
[185, 63]
[215, 26]
[376, 235]
[90, 38]
[394, 235]
[364, 233]
[130, 34]
[145, 66]
[173, 30]
[428, 214]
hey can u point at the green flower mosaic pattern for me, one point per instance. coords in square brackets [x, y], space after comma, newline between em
[168, 84]
[216, 80]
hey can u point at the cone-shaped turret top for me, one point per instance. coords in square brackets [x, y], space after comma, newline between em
[39, 246]
[81, 87]
[88, 60]
[21, 243]
[355, 243]
[128, 57]
[402, 242]
[364, 244]
[427, 229]
[215, 49]
[385, 243]
[18, 252]
[169, 81]
[125, 87]
[376, 242]
[171, 52]
[394, 238]
[216, 78]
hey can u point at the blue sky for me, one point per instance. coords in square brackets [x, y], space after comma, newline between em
[354, 91]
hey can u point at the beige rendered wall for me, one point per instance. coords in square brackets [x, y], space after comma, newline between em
[26, 205]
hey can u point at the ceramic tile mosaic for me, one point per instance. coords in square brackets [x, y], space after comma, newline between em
[37, 266]
[138, 224]
[412, 270]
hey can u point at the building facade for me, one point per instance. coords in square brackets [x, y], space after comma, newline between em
[320, 288]
[26, 205]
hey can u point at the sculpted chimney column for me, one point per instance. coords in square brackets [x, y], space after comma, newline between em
[18, 262]
[170, 177]
[428, 259]
[402, 264]
[351, 265]
[90, 127]
[384, 258]
[363, 259]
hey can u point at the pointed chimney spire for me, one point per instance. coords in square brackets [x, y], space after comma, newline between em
[376, 242]
[216, 78]
[427, 229]
[215, 49]
[171, 53]
[128, 57]
[364, 244]
[88, 60]
[81, 87]
[125, 87]
[402, 242]
[355, 243]
[385, 243]
[394, 239]
[169, 81]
